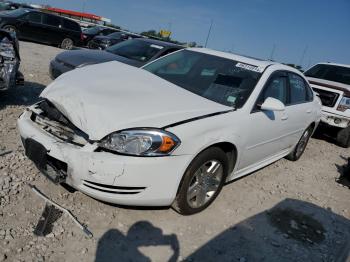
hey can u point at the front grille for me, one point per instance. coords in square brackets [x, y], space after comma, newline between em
[113, 189]
[54, 122]
[327, 98]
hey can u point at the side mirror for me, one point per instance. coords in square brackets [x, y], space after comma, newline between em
[273, 104]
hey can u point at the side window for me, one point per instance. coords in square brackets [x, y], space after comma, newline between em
[34, 17]
[298, 89]
[276, 88]
[309, 93]
[52, 20]
[71, 25]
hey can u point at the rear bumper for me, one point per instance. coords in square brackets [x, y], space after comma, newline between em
[335, 120]
[118, 179]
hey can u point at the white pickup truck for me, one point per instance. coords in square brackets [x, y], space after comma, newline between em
[332, 83]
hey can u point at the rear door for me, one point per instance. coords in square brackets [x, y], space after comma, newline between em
[300, 109]
[52, 29]
[32, 27]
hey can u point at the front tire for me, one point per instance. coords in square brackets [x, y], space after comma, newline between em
[300, 147]
[343, 137]
[67, 44]
[202, 181]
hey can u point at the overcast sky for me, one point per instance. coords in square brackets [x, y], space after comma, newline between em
[320, 28]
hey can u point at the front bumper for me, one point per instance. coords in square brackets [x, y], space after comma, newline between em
[125, 180]
[56, 69]
[335, 120]
[98, 45]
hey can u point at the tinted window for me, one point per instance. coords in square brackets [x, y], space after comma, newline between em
[52, 20]
[71, 25]
[276, 88]
[330, 72]
[142, 51]
[34, 17]
[298, 92]
[218, 79]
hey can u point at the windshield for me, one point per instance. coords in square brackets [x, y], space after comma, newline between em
[17, 12]
[218, 79]
[92, 30]
[116, 35]
[334, 73]
[141, 51]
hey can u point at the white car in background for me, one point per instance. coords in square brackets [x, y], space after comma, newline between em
[332, 83]
[171, 133]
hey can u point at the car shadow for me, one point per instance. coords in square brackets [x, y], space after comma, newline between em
[292, 230]
[24, 95]
[344, 171]
[327, 134]
[115, 246]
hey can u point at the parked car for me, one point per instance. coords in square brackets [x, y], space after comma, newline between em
[332, 83]
[41, 27]
[6, 6]
[91, 32]
[103, 42]
[134, 52]
[9, 61]
[171, 133]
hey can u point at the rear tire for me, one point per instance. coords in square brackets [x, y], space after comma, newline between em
[67, 44]
[343, 137]
[301, 146]
[202, 182]
[89, 45]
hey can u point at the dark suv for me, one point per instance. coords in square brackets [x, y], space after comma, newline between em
[42, 27]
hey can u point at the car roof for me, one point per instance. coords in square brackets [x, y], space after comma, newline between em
[244, 59]
[333, 64]
[158, 42]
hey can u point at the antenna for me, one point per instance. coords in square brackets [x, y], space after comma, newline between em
[272, 52]
[211, 25]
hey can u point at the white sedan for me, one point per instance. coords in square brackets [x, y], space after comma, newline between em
[171, 133]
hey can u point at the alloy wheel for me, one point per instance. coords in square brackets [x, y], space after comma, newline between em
[205, 183]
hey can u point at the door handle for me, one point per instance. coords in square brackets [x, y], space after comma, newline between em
[284, 117]
[309, 111]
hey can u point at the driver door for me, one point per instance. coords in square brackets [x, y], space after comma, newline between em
[266, 134]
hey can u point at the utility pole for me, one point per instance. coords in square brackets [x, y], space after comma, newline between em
[84, 3]
[272, 52]
[211, 25]
[303, 55]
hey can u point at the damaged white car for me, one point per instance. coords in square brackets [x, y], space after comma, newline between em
[171, 133]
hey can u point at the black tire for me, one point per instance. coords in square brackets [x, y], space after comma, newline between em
[182, 204]
[301, 146]
[343, 137]
[67, 44]
[11, 28]
[89, 45]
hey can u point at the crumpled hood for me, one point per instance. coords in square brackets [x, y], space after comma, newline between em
[109, 97]
[80, 57]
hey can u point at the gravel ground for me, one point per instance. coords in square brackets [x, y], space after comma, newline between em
[288, 211]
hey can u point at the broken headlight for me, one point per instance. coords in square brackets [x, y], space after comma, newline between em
[141, 142]
[7, 50]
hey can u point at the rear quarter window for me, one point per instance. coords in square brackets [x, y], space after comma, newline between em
[71, 25]
[52, 20]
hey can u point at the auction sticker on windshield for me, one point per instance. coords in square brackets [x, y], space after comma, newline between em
[250, 67]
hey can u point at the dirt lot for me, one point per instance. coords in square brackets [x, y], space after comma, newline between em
[288, 211]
